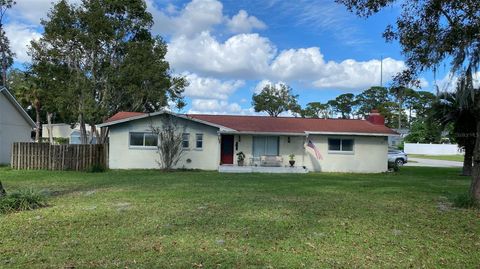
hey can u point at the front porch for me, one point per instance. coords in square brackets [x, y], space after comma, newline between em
[262, 169]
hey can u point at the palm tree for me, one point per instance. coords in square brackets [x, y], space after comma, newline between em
[450, 108]
[27, 93]
[469, 98]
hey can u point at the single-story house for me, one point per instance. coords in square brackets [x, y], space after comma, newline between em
[59, 130]
[211, 142]
[15, 125]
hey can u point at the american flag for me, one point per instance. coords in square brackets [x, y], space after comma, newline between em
[317, 152]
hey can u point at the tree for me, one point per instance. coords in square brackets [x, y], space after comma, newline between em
[170, 139]
[379, 99]
[7, 54]
[28, 94]
[343, 104]
[448, 110]
[431, 32]
[370, 99]
[275, 100]
[317, 110]
[107, 59]
[424, 131]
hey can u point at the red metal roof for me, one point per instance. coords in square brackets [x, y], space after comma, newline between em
[266, 124]
[293, 125]
[123, 115]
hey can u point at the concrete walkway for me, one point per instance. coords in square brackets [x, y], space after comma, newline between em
[432, 163]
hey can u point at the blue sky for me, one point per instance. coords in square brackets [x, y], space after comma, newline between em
[229, 49]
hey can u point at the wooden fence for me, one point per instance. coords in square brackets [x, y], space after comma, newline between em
[35, 156]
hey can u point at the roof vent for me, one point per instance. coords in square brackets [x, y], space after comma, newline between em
[376, 118]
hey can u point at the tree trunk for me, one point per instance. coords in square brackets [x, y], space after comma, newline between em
[400, 105]
[4, 60]
[93, 133]
[103, 135]
[468, 160]
[37, 118]
[475, 186]
[83, 130]
[2, 191]
[49, 127]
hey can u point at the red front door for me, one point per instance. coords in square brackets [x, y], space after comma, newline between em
[227, 149]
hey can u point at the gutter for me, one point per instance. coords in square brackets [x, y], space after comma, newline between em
[350, 133]
[259, 133]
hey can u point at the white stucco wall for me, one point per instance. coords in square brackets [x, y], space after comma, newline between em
[369, 153]
[13, 128]
[122, 156]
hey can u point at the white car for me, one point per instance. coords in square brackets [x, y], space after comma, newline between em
[397, 156]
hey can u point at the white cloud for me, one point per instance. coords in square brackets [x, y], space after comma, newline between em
[449, 82]
[424, 83]
[309, 65]
[259, 87]
[213, 106]
[244, 56]
[33, 10]
[198, 16]
[251, 56]
[243, 23]
[195, 17]
[201, 87]
[20, 36]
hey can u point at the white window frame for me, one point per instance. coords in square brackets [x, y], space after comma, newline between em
[188, 140]
[197, 140]
[143, 146]
[341, 151]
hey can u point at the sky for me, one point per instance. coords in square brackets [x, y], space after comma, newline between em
[229, 49]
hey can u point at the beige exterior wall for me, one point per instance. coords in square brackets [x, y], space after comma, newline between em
[13, 128]
[58, 130]
[369, 153]
[122, 156]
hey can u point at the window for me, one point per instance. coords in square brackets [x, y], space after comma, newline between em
[185, 140]
[337, 144]
[265, 146]
[199, 141]
[139, 139]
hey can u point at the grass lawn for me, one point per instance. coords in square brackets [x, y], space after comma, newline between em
[148, 219]
[457, 158]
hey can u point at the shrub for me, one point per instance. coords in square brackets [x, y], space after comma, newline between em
[465, 200]
[393, 166]
[25, 199]
[96, 168]
[61, 140]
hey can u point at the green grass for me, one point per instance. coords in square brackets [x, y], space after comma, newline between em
[456, 158]
[149, 219]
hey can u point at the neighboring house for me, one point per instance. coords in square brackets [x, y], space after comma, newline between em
[396, 140]
[64, 130]
[75, 137]
[15, 125]
[59, 130]
[212, 142]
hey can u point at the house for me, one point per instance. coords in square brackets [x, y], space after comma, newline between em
[15, 125]
[397, 140]
[211, 142]
[64, 133]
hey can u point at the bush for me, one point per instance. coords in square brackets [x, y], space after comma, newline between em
[96, 168]
[393, 166]
[465, 200]
[26, 199]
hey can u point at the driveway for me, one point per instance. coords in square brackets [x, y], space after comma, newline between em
[432, 163]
